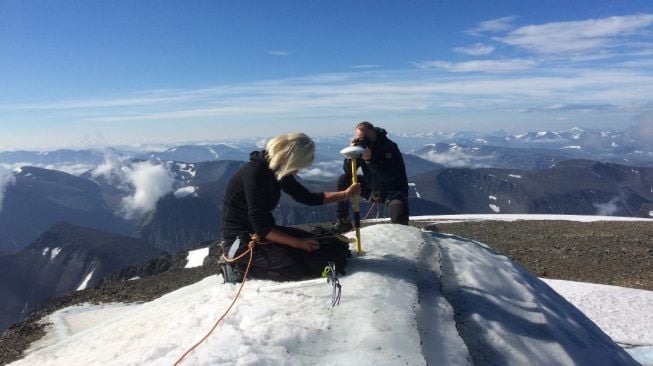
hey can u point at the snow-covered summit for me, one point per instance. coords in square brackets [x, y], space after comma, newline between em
[414, 298]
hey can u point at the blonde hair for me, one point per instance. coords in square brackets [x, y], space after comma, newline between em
[289, 152]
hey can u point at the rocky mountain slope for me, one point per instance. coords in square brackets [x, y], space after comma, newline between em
[39, 198]
[64, 259]
[571, 187]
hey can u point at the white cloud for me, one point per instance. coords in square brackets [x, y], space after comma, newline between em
[365, 66]
[356, 93]
[136, 100]
[492, 26]
[5, 181]
[150, 182]
[143, 183]
[326, 170]
[640, 135]
[577, 36]
[12, 167]
[609, 208]
[480, 65]
[477, 49]
[74, 169]
[320, 103]
[453, 158]
[111, 168]
[452, 105]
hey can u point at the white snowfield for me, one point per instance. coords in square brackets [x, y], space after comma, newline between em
[414, 298]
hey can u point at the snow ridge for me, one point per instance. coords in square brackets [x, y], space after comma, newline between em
[506, 316]
[441, 343]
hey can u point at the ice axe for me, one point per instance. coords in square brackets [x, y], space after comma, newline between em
[352, 153]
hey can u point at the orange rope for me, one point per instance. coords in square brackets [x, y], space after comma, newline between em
[370, 210]
[249, 251]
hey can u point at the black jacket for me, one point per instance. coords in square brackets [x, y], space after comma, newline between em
[385, 171]
[251, 195]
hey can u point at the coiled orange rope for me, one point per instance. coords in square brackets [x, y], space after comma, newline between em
[250, 251]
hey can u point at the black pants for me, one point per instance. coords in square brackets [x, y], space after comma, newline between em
[397, 202]
[280, 262]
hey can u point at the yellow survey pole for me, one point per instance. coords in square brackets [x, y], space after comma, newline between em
[357, 214]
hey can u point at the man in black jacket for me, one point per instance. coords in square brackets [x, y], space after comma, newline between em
[384, 178]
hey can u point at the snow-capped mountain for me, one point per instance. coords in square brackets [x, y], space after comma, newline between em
[199, 153]
[66, 160]
[456, 155]
[570, 187]
[631, 146]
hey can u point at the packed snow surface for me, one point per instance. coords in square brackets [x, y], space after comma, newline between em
[413, 298]
[625, 314]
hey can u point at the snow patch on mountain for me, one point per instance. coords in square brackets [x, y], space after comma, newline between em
[196, 257]
[185, 192]
[53, 253]
[84, 283]
[187, 168]
[414, 187]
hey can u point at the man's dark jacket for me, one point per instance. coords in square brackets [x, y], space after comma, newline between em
[385, 171]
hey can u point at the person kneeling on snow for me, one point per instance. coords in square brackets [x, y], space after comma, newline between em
[285, 253]
[384, 179]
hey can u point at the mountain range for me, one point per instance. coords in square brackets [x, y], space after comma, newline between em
[632, 146]
[57, 227]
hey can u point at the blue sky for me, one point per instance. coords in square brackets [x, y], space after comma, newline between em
[91, 73]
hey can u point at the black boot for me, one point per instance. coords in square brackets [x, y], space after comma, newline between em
[230, 273]
[342, 226]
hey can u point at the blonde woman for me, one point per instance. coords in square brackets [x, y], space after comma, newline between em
[251, 195]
